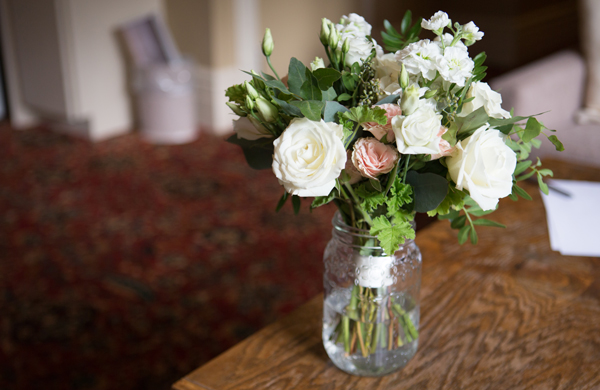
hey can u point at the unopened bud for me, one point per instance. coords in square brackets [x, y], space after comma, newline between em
[410, 100]
[266, 110]
[324, 36]
[429, 94]
[403, 77]
[317, 64]
[334, 38]
[346, 45]
[236, 109]
[249, 103]
[257, 80]
[267, 43]
[251, 91]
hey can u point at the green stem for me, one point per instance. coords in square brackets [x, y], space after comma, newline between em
[365, 215]
[271, 66]
[405, 169]
[346, 331]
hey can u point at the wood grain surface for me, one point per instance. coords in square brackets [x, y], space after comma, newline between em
[508, 313]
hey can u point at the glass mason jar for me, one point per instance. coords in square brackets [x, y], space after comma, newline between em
[371, 308]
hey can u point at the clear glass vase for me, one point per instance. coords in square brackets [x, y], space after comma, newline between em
[371, 308]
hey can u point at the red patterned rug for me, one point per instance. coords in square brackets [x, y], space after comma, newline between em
[126, 265]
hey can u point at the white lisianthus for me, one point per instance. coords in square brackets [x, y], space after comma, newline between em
[360, 48]
[422, 57]
[318, 63]
[309, 156]
[387, 70]
[456, 66]
[418, 133]
[471, 33]
[484, 165]
[354, 23]
[412, 99]
[485, 97]
[438, 21]
[249, 128]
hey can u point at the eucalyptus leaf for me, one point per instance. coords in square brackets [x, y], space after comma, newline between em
[311, 109]
[331, 109]
[429, 190]
[296, 75]
[310, 88]
[326, 77]
[388, 99]
[288, 108]
[329, 95]
[533, 128]
[258, 153]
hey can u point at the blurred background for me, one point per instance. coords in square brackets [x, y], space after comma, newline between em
[135, 243]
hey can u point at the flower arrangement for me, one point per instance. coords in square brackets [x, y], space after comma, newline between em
[385, 134]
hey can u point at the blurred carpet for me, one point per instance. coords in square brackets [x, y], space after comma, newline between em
[125, 265]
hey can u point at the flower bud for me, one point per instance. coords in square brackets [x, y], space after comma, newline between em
[317, 64]
[346, 45]
[257, 80]
[410, 100]
[324, 36]
[266, 110]
[334, 38]
[429, 94]
[403, 80]
[249, 103]
[267, 43]
[251, 91]
[236, 109]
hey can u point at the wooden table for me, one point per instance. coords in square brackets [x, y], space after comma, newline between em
[508, 313]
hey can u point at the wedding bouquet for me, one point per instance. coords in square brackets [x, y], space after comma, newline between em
[387, 133]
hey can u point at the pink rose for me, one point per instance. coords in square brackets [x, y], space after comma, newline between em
[372, 158]
[445, 148]
[391, 110]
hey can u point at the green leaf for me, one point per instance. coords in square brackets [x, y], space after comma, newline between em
[376, 184]
[429, 190]
[543, 186]
[326, 77]
[329, 95]
[459, 222]
[322, 200]
[557, 144]
[276, 84]
[331, 109]
[391, 236]
[474, 238]
[488, 222]
[454, 198]
[536, 143]
[344, 97]
[348, 79]
[546, 172]
[404, 26]
[310, 108]
[479, 59]
[400, 194]
[362, 114]
[463, 234]
[288, 108]
[296, 75]
[451, 215]
[258, 153]
[310, 88]
[525, 176]
[522, 166]
[521, 192]
[468, 124]
[296, 203]
[370, 199]
[236, 93]
[533, 128]
[282, 201]
[495, 122]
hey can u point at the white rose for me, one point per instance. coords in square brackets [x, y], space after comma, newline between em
[421, 57]
[309, 156]
[418, 133]
[483, 164]
[485, 97]
[354, 23]
[439, 20]
[250, 129]
[456, 65]
[360, 48]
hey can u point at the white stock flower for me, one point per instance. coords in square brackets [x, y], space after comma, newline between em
[483, 164]
[456, 66]
[421, 57]
[439, 20]
[471, 32]
[309, 156]
[249, 128]
[447, 39]
[354, 23]
[485, 97]
[418, 133]
[360, 48]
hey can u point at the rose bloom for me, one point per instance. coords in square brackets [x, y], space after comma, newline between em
[250, 129]
[309, 156]
[445, 148]
[417, 133]
[484, 97]
[373, 158]
[484, 165]
[391, 110]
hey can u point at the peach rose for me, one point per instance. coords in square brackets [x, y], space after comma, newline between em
[391, 110]
[445, 148]
[373, 158]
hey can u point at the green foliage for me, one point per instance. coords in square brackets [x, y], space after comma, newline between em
[331, 110]
[390, 235]
[323, 200]
[326, 77]
[362, 114]
[557, 144]
[400, 194]
[259, 153]
[236, 93]
[371, 198]
[311, 109]
[394, 40]
[429, 190]
[454, 200]
[533, 128]
[296, 76]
